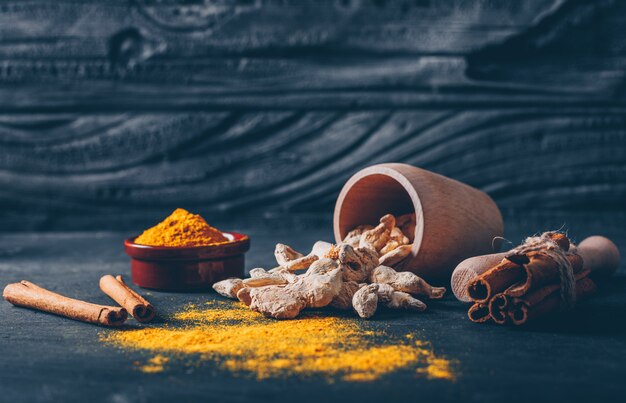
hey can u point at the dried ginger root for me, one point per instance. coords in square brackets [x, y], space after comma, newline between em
[407, 224]
[338, 275]
[260, 277]
[389, 247]
[314, 289]
[404, 300]
[291, 260]
[353, 238]
[378, 236]
[398, 236]
[229, 287]
[365, 301]
[406, 282]
[356, 264]
[395, 256]
[343, 300]
[321, 249]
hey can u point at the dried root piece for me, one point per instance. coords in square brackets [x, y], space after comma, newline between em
[356, 264]
[395, 256]
[353, 238]
[391, 245]
[343, 300]
[291, 260]
[263, 281]
[321, 249]
[378, 236]
[259, 272]
[406, 281]
[229, 287]
[403, 300]
[407, 224]
[243, 295]
[365, 300]
[398, 236]
[260, 278]
[285, 253]
[314, 289]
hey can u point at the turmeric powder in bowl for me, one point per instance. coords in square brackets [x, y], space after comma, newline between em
[185, 253]
[182, 229]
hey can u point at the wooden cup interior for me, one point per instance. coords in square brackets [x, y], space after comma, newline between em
[370, 198]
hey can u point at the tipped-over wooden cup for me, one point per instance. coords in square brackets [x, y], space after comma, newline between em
[454, 220]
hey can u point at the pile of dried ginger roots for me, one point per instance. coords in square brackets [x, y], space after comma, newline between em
[357, 273]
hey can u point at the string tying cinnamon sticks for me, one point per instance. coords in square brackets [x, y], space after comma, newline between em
[29, 295]
[116, 288]
[557, 248]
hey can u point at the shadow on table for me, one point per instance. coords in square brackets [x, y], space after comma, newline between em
[602, 315]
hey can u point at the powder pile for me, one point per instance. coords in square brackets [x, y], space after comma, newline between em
[181, 228]
[239, 340]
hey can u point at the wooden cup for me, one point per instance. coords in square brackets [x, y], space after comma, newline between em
[454, 220]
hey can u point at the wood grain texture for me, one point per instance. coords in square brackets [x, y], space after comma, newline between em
[113, 113]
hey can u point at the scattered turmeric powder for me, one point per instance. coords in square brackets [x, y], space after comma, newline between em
[155, 364]
[181, 228]
[239, 340]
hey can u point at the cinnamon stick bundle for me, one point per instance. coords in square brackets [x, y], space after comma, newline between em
[29, 295]
[531, 270]
[528, 283]
[116, 288]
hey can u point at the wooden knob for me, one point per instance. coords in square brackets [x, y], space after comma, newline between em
[454, 220]
[600, 255]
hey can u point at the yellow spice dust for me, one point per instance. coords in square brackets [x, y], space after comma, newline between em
[242, 341]
[155, 364]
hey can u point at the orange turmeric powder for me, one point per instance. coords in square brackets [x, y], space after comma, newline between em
[181, 228]
[237, 340]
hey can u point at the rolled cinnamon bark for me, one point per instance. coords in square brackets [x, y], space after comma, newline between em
[498, 308]
[479, 313]
[116, 288]
[545, 301]
[540, 270]
[468, 270]
[495, 280]
[29, 295]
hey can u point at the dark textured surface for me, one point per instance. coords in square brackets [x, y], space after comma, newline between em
[46, 358]
[114, 112]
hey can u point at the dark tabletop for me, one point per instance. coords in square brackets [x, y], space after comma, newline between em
[47, 358]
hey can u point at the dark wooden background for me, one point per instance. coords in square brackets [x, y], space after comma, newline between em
[112, 113]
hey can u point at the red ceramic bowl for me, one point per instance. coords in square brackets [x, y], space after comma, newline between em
[186, 268]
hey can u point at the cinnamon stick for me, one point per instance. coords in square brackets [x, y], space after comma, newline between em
[116, 288]
[495, 280]
[29, 295]
[545, 301]
[479, 313]
[498, 308]
[540, 270]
